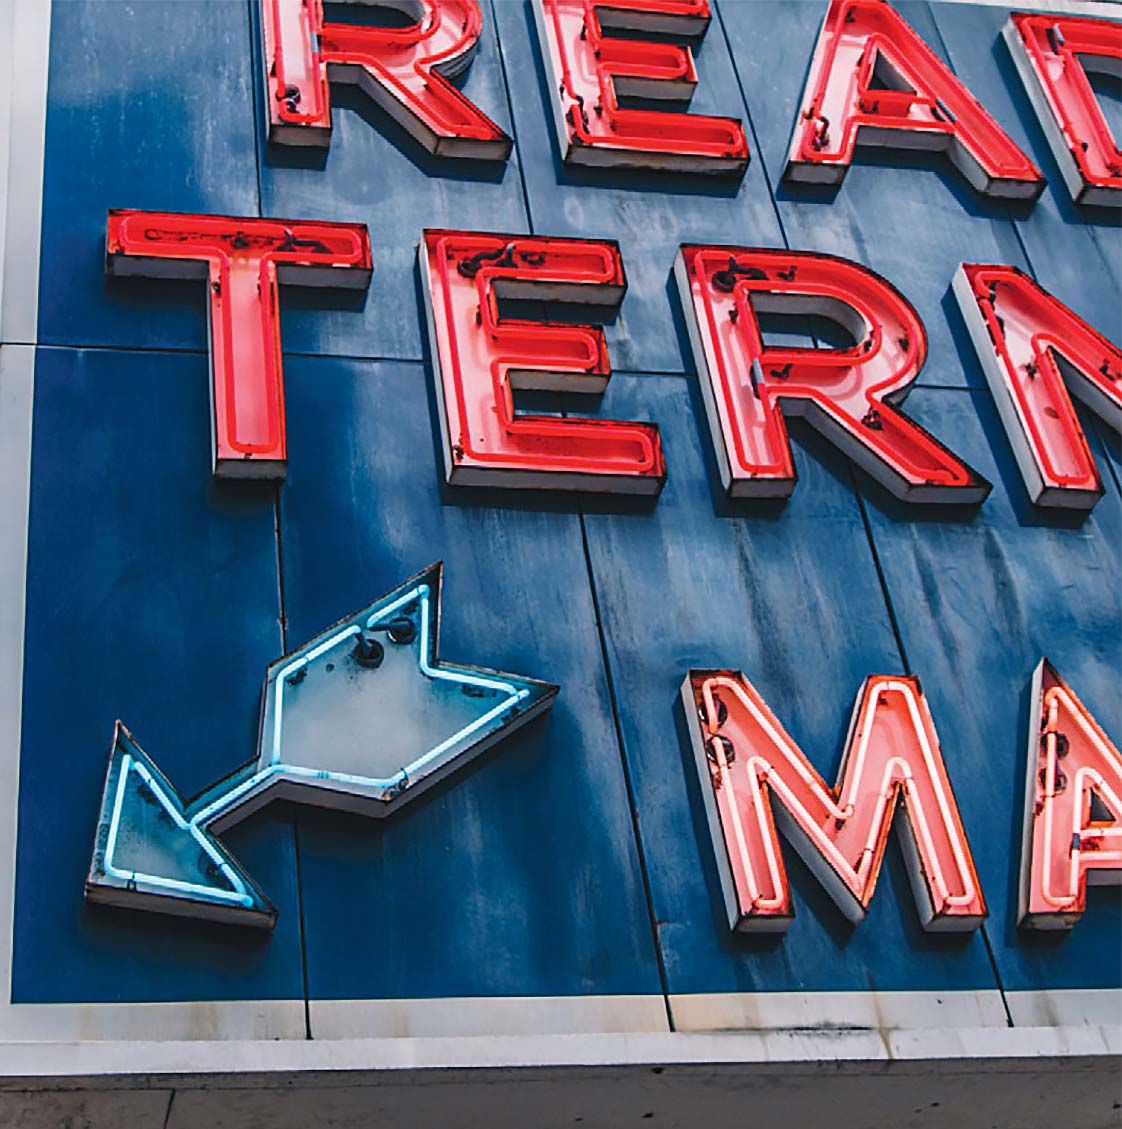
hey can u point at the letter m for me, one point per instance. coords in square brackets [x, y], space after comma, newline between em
[754, 776]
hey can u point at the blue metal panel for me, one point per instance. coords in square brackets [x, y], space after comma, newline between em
[1046, 585]
[978, 603]
[149, 106]
[649, 214]
[912, 218]
[791, 596]
[375, 173]
[520, 876]
[151, 596]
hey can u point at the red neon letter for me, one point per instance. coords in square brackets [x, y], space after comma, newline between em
[590, 72]
[405, 70]
[480, 359]
[745, 759]
[242, 260]
[1066, 845]
[866, 44]
[1034, 350]
[1053, 55]
[847, 394]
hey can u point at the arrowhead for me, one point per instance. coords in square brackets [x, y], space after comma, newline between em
[366, 715]
[149, 855]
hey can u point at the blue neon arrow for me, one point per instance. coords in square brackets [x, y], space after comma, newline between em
[362, 718]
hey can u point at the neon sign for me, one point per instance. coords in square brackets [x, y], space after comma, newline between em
[362, 718]
[483, 355]
[242, 260]
[1073, 806]
[874, 81]
[591, 76]
[404, 70]
[746, 760]
[1053, 55]
[480, 358]
[1036, 353]
[847, 394]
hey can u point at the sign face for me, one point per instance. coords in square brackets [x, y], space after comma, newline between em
[587, 364]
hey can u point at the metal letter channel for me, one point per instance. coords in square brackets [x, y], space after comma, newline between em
[1071, 764]
[242, 260]
[362, 719]
[873, 80]
[481, 358]
[1053, 55]
[1034, 352]
[847, 394]
[745, 759]
[590, 73]
[405, 70]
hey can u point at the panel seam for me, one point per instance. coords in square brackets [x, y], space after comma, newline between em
[510, 116]
[752, 126]
[853, 481]
[605, 661]
[992, 956]
[855, 485]
[882, 579]
[257, 63]
[633, 808]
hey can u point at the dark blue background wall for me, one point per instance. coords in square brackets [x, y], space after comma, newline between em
[574, 859]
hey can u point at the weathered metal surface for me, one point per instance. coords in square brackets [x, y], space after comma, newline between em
[978, 603]
[376, 173]
[154, 596]
[698, 584]
[522, 879]
[913, 220]
[132, 123]
[650, 214]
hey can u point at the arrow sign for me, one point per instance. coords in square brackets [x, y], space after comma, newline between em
[362, 718]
